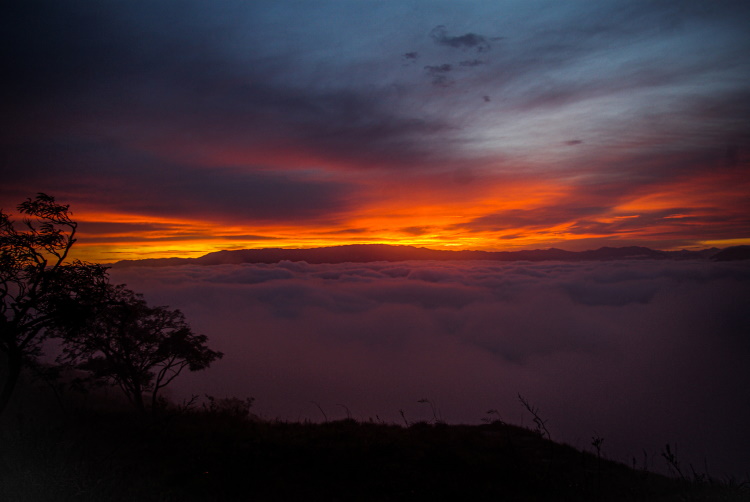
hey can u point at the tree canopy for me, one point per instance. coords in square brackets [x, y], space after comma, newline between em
[34, 278]
[105, 329]
[128, 343]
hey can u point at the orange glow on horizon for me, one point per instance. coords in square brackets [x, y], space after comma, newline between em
[434, 217]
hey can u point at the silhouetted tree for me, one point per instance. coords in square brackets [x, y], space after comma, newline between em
[35, 281]
[122, 340]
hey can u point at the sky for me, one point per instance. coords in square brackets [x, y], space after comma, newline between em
[176, 128]
[641, 353]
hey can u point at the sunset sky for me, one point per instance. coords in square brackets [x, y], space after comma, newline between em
[176, 128]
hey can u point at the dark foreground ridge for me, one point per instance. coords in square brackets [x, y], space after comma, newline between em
[222, 455]
[360, 253]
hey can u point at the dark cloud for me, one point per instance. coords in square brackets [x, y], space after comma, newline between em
[467, 41]
[531, 218]
[573, 142]
[439, 74]
[97, 227]
[676, 223]
[443, 68]
[732, 155]
[351, 231]
[619, 348]
[246, 237]
[144, 75]
[636, 221]
[74, 48]
[173, 236]
[121, 179]
[247, 119]
[472, 62]
[416, 230]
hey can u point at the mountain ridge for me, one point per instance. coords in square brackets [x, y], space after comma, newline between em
[362, 253]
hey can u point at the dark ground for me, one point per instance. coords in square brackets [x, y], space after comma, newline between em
[97, 453]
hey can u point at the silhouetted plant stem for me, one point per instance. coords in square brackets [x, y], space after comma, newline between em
[321, 410]
[435, 412]
[541, 425]
[403, 416]
[596, 442]
[348, 413]
[672, 461]
[497, 414]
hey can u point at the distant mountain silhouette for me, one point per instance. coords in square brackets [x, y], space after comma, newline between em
[733, 253]
[361, 253]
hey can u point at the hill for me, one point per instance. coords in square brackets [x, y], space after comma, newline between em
[225, 455]
[359, 253]
[732, 254]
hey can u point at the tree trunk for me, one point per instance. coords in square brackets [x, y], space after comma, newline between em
[138, 399]
[15, 363]
[154, 400]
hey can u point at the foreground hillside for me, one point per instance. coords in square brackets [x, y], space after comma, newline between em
[222, 454]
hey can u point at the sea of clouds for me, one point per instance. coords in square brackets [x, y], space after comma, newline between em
[642, 353]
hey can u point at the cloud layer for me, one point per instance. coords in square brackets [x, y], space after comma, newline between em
[641, 353]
